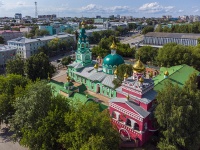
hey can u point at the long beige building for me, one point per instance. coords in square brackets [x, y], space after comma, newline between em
[160, 38]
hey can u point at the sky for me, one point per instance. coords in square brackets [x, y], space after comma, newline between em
[104, 8]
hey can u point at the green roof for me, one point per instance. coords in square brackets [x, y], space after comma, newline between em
[69, 84]
[113, 60]
[177, 75]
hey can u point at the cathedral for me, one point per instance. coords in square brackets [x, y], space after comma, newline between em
[132, 104]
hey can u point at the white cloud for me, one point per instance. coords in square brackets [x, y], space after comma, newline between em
[1, 3]
[180, 11]
[155, 7]
[197, 10]
[92, 8]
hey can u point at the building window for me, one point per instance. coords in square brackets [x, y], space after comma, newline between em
[136, 127]
[128, 122]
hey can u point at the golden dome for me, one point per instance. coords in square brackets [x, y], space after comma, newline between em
[141, 79]
[126, 75]
[166, 73]
[115, 72]
[83, 23]
[151, 74]
[98, 57]
[138, 67]
[96, 66]
[113, 46]
[68, 78]
[128, 97]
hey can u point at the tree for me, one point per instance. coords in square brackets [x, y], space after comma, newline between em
[10, 87]
[15, 66]
[147, 29]
[159, 28]
[46, 131]
[2, 41]
[66, 61]
[146, 54]
[132, 26]
[38, 66]
[31, 106]
[89, 129]
[177, 114]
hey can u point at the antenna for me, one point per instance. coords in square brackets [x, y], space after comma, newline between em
[36, 12]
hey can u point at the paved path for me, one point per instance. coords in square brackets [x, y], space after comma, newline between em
[6, 143]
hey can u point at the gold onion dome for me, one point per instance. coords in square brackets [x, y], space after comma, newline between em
[113, 46]
[83, 23]
[126, 75]
[68, 78]
[141, 79]
[151, 74]
[128, 97]
[138, 67]
[115, 72]
[98, 57]
[166, 73]
[96, 66]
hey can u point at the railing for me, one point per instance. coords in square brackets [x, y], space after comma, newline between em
[122, 125]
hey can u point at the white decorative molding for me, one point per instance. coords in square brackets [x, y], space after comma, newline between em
[127, 112]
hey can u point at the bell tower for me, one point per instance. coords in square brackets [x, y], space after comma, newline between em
[83, 53]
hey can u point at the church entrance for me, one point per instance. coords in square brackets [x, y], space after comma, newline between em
[98, 88]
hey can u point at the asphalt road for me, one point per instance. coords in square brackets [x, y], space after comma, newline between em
[130, 40]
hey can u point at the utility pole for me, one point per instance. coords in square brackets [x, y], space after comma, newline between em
[36, 12]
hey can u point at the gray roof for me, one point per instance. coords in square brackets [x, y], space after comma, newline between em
[174, 35]
[45, 38]
[4, 48]
[143, 113]
[146, 98]
[90, 73]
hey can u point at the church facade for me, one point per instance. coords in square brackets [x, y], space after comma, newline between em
[96, 77]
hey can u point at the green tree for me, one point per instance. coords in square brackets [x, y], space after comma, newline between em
[146, 54]
[147, 29]
[2, 41]
[38, 66]
[15, 66]
[66, 61]
[177, 114]
[47, 130]
[86, 124]
[9, 90]
[132, 26]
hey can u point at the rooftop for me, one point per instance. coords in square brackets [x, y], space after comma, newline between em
[177, 75]
[6, 48]
[174, 35]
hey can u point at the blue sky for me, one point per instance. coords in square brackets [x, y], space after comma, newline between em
[91, 8]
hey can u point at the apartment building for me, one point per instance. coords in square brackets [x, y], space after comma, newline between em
[9, 34]
[6, 53]
[27, 47]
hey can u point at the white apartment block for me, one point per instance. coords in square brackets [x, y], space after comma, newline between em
[6, 53]
[27, 47]
[160, 38]
[9, 34]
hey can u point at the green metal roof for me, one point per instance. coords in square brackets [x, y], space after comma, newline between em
[177, 75]
[113, 60]
[68, 84]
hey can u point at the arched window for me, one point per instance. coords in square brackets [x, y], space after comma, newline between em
[82, 45]
[136, 127]
[114, 115]
[128, 122]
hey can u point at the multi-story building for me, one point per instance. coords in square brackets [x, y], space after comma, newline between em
[9, 34]
[18, 16]
[6, 53]
[114, 25]
[27, 47]
[160, 39]
[53, 16]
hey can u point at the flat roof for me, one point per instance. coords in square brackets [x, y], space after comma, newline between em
[173, 35]
[4, 48]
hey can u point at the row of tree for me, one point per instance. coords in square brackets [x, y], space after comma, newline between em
[57, 46]
[41, 120]
[35, 67]
[103, 48]
[180, 28]
[170, 55]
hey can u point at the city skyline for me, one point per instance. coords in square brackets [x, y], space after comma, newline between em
[90, 8]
